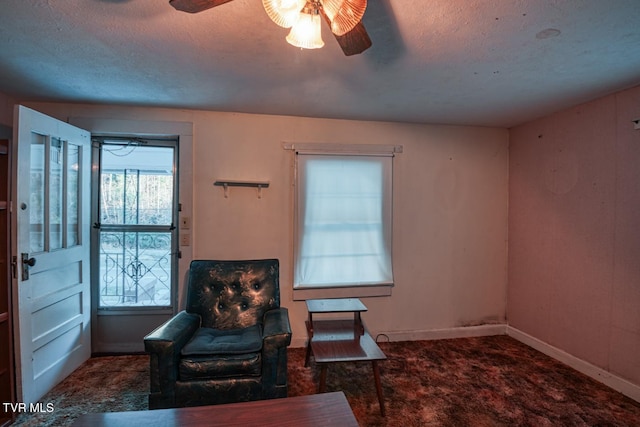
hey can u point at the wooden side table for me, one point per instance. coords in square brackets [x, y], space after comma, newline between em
[341, 340]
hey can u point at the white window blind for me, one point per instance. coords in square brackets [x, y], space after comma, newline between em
[343, 220]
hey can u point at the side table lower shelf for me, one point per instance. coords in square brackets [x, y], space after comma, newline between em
[337, 341]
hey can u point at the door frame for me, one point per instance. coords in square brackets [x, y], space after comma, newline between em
[7, 372]
[157, 128]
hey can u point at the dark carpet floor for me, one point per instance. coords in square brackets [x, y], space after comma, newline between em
[488, 381]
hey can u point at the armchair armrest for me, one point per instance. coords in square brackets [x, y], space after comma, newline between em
[276, 337]
[175, 332]
[164, 345]
[277, 329]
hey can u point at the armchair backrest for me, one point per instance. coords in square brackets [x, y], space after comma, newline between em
[233, 294]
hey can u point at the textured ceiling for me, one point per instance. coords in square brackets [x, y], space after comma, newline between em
[472, 62]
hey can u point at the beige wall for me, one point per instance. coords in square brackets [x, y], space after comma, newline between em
[574, 232]
[450, 208]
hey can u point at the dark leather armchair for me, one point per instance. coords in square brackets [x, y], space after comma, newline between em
[229, 345]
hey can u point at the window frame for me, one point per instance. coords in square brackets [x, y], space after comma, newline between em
[340, 150]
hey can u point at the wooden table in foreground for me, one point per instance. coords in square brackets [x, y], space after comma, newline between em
[341, 340]
[326, 409]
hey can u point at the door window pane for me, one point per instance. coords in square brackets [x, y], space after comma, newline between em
[56, 160]
[37, 194]
[73, 195]
[136, 185]
[136, 216]
[135, 269]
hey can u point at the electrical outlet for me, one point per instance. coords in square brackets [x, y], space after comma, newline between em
[185, 239]
[185, 222]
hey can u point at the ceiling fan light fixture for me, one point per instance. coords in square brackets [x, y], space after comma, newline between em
[283, 12]
[306, 33]
[344, 14]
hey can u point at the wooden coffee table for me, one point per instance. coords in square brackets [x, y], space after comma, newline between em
[341, 340]
[327, 409]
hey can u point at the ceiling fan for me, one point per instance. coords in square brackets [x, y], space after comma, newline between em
[343, 16]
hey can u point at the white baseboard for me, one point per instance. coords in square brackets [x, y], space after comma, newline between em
[441, 334]
[607, 378]
[426, 335]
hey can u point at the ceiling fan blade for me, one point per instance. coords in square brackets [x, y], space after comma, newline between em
[355, 41]
[352, 42]
[195, 6]
[344, 14]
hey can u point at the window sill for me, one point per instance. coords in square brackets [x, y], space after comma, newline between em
[302, 294]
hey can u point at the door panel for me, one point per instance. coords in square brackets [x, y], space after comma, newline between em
[52, 230]
[135, 259]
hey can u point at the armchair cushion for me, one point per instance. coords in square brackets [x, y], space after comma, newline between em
[219, 367]
[209, 341]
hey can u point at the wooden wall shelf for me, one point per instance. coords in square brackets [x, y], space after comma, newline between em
[226, 183]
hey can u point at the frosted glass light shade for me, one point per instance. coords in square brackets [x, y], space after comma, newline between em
[344, 14]
[306, 32]
[283, 12]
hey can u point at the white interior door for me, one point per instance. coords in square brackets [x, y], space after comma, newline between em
[52, 284]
